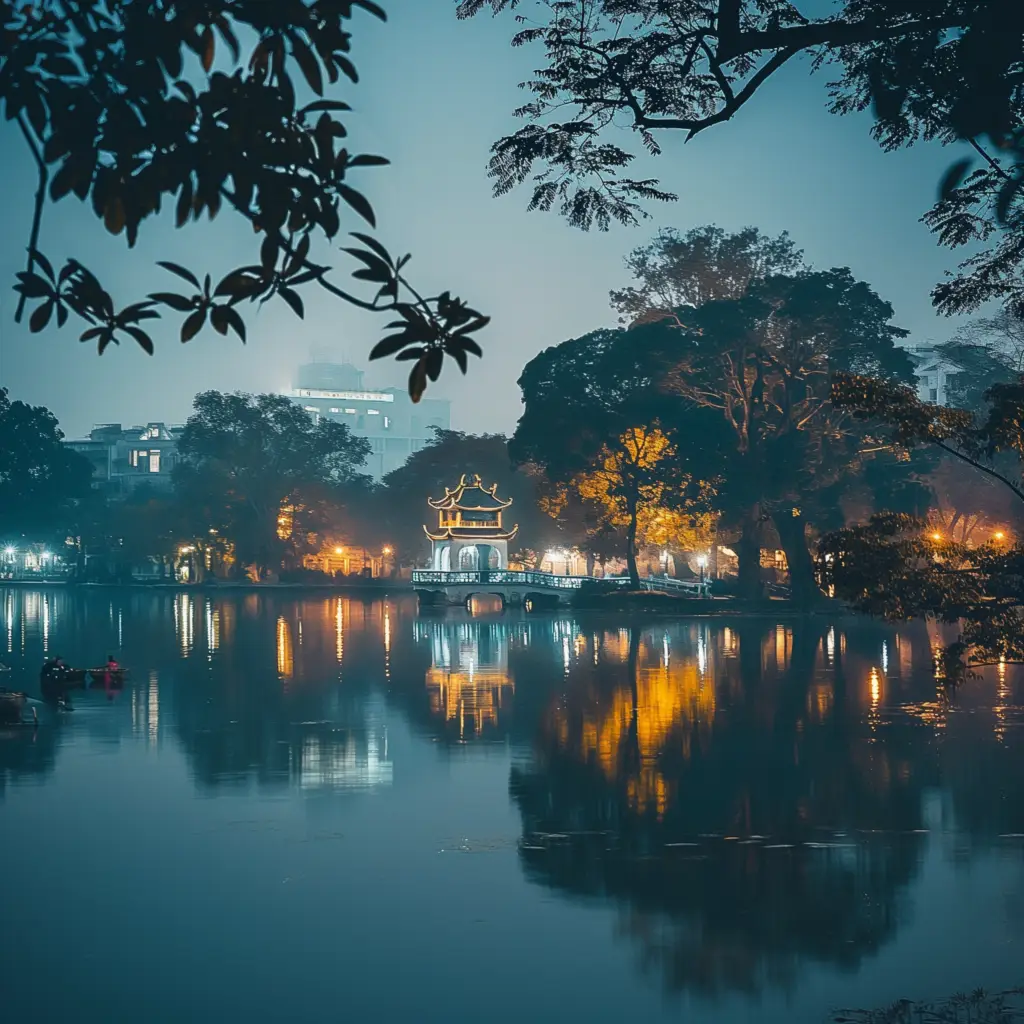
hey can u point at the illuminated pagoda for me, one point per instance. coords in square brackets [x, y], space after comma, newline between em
[469, 533]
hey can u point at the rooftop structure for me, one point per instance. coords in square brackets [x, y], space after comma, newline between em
[125, 458]
[469, 532]
[386, 417]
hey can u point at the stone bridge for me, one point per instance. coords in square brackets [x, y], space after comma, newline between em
[516, 587]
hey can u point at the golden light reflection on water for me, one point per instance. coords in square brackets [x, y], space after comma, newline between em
[339, 631]
[285, 653]
[670, 707]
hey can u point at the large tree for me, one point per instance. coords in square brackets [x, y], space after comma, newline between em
[941, 69]
[202, 106]
[898, 567]
[44, 485]
[262, 471]
[760, 363]
[592, 427]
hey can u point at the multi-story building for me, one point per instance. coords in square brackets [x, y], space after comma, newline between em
[386, 417]
[933, 372]
[125, 458]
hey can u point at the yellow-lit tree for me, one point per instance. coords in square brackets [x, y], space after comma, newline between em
[638, 489]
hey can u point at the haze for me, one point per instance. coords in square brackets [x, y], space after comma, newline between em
[434, 95]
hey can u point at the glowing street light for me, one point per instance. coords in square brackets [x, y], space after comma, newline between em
[998, 535]
[387, 549]
[936, 536]
[10, 552]
[339, 551]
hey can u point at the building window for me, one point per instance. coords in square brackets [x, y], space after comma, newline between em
[933, 395]
[310, 408]
[133, 458]
[154, 461]
[373, 412]
[387, 422]
[334, 408]
[350, 412]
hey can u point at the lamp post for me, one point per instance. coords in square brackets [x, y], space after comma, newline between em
[702, 562]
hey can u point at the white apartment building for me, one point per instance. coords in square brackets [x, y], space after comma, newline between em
[933, 372]
[386, 417]
[125, 458]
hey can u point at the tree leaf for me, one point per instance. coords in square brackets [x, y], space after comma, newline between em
[389, 346]
[193, 325]
[952, 178]
[293, 299]
[32, 286]
[320, 105]
[218, 320]
[370, 242]
[145, 342]
[40, 317]
[358, 202]
[181, 303]
[433, 361]
[367, 160]
[418, 380]
[176, 268]
[307, 61]
[207, 46]
[235, 321]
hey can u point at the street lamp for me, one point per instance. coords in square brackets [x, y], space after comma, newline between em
[702, 561]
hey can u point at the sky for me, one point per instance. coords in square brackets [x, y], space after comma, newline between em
[434, 94]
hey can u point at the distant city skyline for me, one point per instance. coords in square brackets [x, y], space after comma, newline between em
[784, 163]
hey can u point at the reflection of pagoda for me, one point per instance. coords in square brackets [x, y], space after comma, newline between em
[469, 531]
[469, 681]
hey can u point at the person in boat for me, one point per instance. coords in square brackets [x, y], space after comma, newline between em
[54, 670]
[52, 678]
[111, 672]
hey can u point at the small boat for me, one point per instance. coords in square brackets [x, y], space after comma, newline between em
[117, 676]
[12, 708]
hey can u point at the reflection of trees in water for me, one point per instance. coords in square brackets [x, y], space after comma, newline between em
[26, 752]
[733, 734]
[289, 701]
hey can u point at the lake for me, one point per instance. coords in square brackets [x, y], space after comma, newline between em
[306, 808]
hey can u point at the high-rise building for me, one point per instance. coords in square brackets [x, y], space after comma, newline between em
[386, 417]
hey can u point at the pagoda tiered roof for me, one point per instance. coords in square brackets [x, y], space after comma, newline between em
[470, 496]
[470, 511]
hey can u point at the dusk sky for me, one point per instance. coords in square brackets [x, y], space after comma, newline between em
[435, 93]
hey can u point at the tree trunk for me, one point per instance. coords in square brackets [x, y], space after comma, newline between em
[634, 572]
[590, 563]
[713, 557]
[792, 532]
[748, 553]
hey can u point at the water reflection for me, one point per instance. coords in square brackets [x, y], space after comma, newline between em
[746, 798]
[752, 798]
[469, 683]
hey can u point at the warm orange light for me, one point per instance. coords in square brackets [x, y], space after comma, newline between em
[936, 536]
[339, 551]
[999, 535]
[387, 551]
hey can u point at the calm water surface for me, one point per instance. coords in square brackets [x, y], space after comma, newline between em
[330, 809]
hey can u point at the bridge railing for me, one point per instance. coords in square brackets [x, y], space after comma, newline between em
[528, 577]
[534, 578]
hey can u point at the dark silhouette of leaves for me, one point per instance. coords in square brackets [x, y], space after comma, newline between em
[165, 115]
